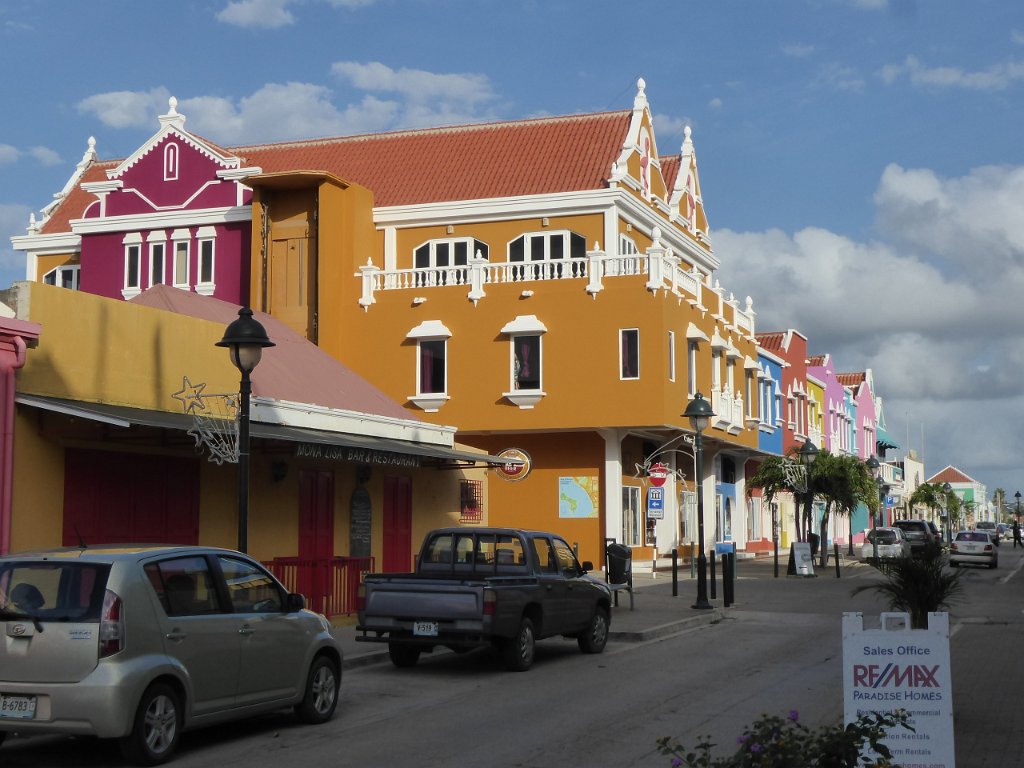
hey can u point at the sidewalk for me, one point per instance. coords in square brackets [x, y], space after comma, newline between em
[656, 613]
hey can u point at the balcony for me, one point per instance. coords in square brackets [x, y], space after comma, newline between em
[662, 270]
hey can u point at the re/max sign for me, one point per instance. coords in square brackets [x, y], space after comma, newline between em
[910, 675]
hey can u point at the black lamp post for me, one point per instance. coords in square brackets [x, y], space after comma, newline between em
[807, 454]
[1017, 496]
[875, 468]
[946, 490]
[245, 338]
[699, 413]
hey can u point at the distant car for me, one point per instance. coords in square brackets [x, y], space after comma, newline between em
[921, 534]
[973, 548]
[1004, 530]
[892, 543]
[141, 643]
[988, 527]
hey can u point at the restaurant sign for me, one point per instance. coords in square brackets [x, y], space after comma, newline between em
[354, 454]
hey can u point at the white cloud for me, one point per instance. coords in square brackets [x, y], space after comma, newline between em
[838, 77]
[715, 103]
[265, 14]
[8, 154]
[13, 221]
[798, 50]
[416, 85]
[45, 155]
[1016, 37]
[127, 109]
[669, 129]
[934, 310]
[351, 3]
[998, 77]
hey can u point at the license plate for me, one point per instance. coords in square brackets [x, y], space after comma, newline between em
[425, 628]
[20, 707]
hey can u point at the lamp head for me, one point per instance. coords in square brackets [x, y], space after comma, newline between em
[808, 453]
[245, 338]
[699, 412]
[873, 466]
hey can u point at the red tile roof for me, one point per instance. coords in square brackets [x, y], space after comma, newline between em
[816, 361]
[851, 379]
[470, 162]
[295, 369]
[771, 342]
[950, 475]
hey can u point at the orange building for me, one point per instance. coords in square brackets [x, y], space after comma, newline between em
[546, 286]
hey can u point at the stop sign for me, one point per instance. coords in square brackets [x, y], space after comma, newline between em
[658, 473]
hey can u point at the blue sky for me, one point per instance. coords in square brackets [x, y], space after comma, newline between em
[860, 160]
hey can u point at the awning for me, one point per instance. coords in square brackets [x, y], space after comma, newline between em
[311, 443]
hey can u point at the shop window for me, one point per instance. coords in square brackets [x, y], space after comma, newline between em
[471, 508]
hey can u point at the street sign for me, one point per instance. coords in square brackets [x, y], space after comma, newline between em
[655, 503]
[658, 474]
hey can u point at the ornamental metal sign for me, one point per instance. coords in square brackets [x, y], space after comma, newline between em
[517, 464]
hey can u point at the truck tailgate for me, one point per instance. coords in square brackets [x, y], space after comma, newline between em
[451, 600]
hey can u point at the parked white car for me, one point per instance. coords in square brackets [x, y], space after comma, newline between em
[892, 543]
[141, 643]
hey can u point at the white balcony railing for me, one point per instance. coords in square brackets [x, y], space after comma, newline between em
[660, 266]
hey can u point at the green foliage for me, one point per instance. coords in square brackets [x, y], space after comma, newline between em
[918, 585]
[776, 742]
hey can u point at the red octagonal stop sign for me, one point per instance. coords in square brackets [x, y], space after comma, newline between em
[658, 474]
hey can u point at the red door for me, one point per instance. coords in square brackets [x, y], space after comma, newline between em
[316, 536]
[397, 524]
[119, 498]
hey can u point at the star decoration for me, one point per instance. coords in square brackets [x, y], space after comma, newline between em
[190, 395]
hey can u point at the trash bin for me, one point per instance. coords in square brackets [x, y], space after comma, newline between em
[620, 559]
[813, 539]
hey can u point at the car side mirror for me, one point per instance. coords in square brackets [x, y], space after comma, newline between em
[295, 602]
[587, 566]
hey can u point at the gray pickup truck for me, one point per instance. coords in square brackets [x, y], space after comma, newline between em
[476, 587]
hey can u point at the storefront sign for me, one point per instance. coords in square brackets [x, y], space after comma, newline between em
[357, 455]
[518, 468]
[896, 667]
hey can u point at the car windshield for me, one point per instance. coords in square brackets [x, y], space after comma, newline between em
[882, 537]
[53, 591]
[986, 526]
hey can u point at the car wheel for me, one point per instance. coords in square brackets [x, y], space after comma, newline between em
[954, 564]
[321, 696]
[3, 735]
[596, 636]
[517, 652]
[157, 727]
[403, 655]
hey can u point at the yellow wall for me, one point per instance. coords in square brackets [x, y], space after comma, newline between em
[38, 487]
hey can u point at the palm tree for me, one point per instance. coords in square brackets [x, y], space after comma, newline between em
[843, 481]
[918, 586]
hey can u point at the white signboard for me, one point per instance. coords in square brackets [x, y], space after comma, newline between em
[801, 562]
[895, 667]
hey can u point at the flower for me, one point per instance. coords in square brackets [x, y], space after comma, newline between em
[794, 715]
[677, 762]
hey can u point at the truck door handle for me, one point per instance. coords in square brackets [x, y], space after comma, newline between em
[176, 635]
[245, 630]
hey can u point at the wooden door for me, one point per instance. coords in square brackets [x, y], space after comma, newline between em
[316, 536]
[397, 524]
[291, 289]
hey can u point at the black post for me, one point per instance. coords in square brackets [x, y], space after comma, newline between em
[702, 561]
[728, 564]
[675, 573]
[714, 594]
[243, 463]
[835, 546]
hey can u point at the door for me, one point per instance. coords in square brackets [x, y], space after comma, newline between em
[291, 285]
[316, 536]
[556, 588]
[397, 524]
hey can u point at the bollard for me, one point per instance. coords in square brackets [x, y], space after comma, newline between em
[728, 566]
[775, 547]
[713, 595]
[836, 549]
[675, 572]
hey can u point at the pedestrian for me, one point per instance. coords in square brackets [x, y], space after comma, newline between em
[1016, 533]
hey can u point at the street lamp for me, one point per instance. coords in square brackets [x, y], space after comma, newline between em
[875, 468]
[806, 455]
[699, 413]
[946, 490]
[245, 338]
[1017, 496]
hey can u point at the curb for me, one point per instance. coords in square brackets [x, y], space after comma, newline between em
[671, 628]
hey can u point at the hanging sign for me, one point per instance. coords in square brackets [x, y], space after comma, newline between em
[658, 474]
[516, 469]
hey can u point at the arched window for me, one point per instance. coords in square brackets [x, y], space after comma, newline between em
[171, 153]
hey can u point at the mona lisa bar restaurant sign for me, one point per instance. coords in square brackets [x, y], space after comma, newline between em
[353, 454]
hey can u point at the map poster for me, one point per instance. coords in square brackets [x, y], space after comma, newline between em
[578, 496]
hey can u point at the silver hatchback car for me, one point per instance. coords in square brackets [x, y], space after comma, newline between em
[140, 643]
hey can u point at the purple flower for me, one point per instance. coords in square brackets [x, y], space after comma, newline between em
[755, 747]
[742, 739]
[677, 762]
[794, 715]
